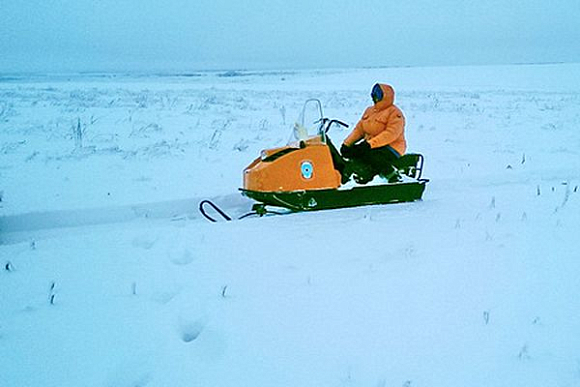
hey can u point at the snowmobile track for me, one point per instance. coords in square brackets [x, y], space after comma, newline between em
[27, 223]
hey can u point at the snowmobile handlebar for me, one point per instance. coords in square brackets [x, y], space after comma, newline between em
[326, 123]
[337, 122]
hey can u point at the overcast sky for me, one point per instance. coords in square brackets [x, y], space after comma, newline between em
[181, 35]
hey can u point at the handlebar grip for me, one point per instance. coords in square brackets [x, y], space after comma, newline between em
[340, 123]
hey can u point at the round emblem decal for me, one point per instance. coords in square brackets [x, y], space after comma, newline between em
[306, 169]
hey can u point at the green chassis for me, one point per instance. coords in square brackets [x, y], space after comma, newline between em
[325, 199]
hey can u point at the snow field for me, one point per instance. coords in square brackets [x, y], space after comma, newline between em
[475, 285]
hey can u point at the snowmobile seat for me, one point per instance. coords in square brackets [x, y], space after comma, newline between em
[410, 164]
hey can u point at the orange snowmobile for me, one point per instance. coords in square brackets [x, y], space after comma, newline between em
[303, 175]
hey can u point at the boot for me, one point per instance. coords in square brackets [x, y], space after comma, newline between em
[393, 177]
[363, 173]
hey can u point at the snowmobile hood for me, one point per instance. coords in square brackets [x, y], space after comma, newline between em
[388, 96]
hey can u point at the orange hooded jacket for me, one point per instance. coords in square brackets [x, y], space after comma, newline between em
[381, 124]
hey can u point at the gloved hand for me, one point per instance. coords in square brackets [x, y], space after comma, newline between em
[360, 149]
[346, 151]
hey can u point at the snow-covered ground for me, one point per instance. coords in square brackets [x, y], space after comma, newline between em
[475, 285]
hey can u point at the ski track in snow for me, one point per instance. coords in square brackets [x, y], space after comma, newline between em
[22, 227]
[110, 277]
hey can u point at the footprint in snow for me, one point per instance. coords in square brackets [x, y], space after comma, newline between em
[165, 297]
[190, 331]
[144, 242]
[130, 378]
[181, 257]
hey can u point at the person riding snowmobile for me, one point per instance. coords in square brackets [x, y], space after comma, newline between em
[377, 140]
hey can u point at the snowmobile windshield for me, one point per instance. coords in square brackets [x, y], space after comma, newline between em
[309, 123]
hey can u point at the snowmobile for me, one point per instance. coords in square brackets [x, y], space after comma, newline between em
[302, 175]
